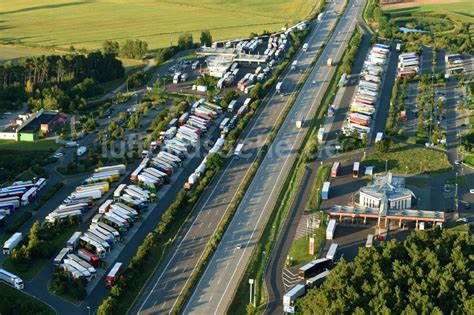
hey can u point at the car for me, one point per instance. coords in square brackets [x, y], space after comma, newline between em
[447, 188]
[471, 191]
[314, 82]
[457, 162]
[379, 238]
[239, 246]
[462, 220]
[58, 155]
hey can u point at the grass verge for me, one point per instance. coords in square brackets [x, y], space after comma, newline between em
[13, 301]
[408, 159]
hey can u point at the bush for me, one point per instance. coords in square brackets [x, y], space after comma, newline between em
[63, 285]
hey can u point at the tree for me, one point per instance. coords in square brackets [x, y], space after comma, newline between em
[206, 38]
[426, 273]
[136, 79]
[383, 146]
[136, 49]
[111, 47]
[185, 41]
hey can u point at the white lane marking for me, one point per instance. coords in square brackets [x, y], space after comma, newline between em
[281, 171]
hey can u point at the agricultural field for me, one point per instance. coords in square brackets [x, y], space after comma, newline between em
[434, 15]
[88, 23]
[16, 52]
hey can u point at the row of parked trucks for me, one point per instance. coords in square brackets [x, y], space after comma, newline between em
[408, 64]
[247, 83]
[363, 106]
[85, 195]
[312, 275]
[85, 250]
[20, 193]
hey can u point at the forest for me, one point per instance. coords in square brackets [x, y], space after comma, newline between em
[57, 82]
[428, 273]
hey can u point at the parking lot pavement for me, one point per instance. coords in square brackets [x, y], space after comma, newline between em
[343, 188]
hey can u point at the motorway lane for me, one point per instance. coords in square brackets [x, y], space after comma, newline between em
[221, 278]
[168, 282]
[274, 270]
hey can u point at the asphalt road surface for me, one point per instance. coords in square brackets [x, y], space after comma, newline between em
[274, 270]
[221, 278]
[166, 285]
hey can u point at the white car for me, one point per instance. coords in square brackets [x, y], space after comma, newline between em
[58, 155]
[471, 191]
[457, 162]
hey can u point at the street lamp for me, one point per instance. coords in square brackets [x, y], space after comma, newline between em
[251, 282]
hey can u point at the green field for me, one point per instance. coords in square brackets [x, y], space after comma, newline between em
[87, 23]
[407, 159]
[461, 10]
[40, 145]
[17, 52]
[13, 301]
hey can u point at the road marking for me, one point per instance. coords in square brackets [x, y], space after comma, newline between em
[219, 280]
[209, 225]
[316, 69]
[249, 134]
[174, 287]
[163, 305]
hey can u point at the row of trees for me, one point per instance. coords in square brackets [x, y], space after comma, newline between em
[144, 261]
[57, 82]
[131, 49]
[428, 273]
[185, 41]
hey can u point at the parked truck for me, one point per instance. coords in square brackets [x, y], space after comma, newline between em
[325, 191]
[321, 135]
[332, 251]
[317, 280]
[81, 151]
[11, 279]
[290, 297]
[74, 240]
[113, 275]
[12, 243]
[331, 229]
[313, 268]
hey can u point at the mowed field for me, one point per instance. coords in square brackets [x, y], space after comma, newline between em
[87, 23]
[461, 10]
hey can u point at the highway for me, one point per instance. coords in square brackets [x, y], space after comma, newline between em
[167, 283]
[276, 263]
[219, 281]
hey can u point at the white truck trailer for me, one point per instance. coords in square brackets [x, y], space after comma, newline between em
[290, 297]
[331, 229]
[11, 279]
[12, 243]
